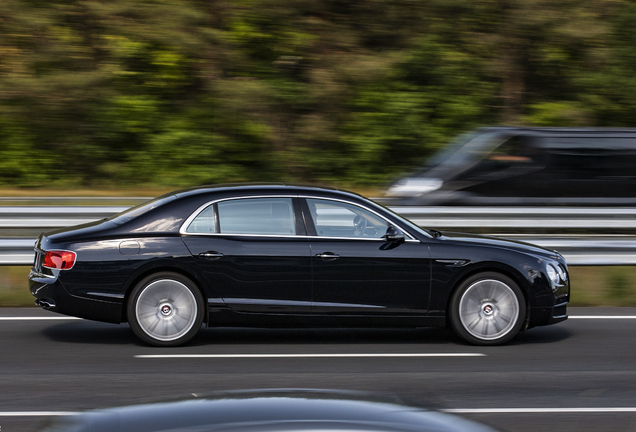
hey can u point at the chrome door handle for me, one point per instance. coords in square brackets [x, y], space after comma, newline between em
[211, 255]
[327, 256]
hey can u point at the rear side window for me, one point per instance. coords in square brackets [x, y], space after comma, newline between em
[204, 223]
[592, 158]
[255, 216]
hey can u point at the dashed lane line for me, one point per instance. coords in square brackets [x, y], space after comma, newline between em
[175, 356]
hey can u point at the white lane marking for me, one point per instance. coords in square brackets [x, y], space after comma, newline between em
[156, 356]
[36, 413]
[23, 318]
[536, 410]
[37, 318]
[450, 411]
[26, 318]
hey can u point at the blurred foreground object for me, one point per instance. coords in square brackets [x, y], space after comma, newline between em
[270, 411]
[527, 166]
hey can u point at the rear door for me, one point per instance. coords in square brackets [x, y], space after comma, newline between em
[254, 252]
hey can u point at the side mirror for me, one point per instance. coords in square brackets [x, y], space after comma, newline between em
[394, 235]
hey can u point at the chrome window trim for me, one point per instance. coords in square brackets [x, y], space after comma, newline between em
[299, 237]
[188, 221]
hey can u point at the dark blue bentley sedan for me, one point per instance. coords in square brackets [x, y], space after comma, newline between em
[288, 256]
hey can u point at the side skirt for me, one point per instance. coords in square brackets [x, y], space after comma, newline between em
[222, 317]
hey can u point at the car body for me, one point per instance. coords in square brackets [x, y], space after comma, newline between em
[291, 256]
[288, 410]
[527, 166]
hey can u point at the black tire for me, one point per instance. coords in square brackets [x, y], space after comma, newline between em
[165, 309]
[487, 309]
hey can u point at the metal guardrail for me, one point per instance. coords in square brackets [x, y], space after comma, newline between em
[585, 236]
[618, 220]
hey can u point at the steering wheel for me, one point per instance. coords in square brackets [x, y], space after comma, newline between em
[360, 225]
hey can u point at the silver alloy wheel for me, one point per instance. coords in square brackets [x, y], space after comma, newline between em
[166, 310]
[489, 309]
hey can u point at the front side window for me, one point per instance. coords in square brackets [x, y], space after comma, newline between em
[339, 219]
[256, 216]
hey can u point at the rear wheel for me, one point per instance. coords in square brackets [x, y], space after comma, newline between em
[487, 309]
[165, 309]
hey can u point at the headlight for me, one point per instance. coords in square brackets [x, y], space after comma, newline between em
[562, 273]
[414, 186]
[553, 274]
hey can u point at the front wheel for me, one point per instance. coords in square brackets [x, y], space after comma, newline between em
[165, 309]
[487, 309]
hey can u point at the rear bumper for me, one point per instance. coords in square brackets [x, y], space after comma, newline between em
[51, 295]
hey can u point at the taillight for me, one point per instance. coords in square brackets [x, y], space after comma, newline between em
[60, 260]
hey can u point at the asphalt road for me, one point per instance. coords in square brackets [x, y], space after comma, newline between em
[73, 365]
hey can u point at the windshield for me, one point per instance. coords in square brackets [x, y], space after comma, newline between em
[140, 209]
[450, 149]
[471, 146]
[405, 222]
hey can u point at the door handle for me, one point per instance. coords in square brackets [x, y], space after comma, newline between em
[211, 255]
[327, 256]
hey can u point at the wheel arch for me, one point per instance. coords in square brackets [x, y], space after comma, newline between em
[505, 270]
[160, 269]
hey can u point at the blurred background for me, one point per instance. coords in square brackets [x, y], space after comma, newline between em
[173, 93]
[136, 98]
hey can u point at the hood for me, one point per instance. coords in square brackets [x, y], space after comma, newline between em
[513, 245]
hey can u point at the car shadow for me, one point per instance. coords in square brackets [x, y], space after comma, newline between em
[542, 335]
[89, 332]
[322, 336]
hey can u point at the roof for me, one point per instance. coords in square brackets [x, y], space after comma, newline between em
[563, 131]
[258, 187]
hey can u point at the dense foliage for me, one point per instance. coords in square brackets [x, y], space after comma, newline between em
[184, 92]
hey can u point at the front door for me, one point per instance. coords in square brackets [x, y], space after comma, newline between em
[356, 271]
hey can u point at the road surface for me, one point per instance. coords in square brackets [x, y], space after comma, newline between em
[579, 375]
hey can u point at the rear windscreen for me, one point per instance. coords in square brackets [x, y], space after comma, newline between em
[140, 209]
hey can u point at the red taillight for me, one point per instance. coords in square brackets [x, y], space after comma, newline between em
[61, 260]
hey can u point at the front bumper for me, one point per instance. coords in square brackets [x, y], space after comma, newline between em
[555, 312]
